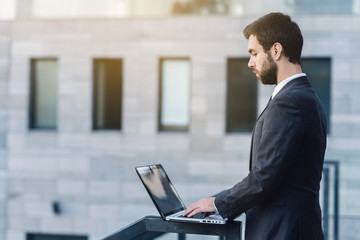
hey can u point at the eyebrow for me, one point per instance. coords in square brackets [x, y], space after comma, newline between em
[251, 50]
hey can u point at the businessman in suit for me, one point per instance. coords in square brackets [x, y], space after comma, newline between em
[280, 195]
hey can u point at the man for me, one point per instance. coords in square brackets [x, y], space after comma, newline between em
[280, 195]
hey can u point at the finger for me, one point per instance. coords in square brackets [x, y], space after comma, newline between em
[193, 212]
[187, 211]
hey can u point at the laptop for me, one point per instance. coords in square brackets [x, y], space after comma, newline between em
[166, 198]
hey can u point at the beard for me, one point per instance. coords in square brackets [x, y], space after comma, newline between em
[269, 74]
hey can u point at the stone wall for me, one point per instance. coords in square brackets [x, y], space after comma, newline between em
[91, 173]
[4, 78]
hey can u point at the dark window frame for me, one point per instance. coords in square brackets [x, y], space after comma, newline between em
[33, 93]
[313, 81]
[50, 236]
[95, 96]
[169, 128]
[230, 128]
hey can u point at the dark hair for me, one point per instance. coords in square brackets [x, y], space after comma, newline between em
[277, 27]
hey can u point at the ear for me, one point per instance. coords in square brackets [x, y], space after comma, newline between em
[276, 51]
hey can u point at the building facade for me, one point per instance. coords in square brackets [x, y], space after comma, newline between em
[84, 101]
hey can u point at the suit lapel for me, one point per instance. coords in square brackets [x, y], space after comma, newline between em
[252, 137]
[300, 80]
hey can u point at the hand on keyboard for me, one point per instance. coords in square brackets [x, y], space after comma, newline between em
[199, 215]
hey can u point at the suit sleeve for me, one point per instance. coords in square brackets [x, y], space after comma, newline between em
[275, 150]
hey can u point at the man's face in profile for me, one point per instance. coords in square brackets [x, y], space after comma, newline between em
[261, 62]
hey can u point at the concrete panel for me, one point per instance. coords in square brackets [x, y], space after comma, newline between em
[92, 172]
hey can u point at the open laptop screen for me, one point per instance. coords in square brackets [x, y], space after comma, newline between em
[160, 189]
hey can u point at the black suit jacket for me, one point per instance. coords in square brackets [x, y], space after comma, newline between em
[281, 192]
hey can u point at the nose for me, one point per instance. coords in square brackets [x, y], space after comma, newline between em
[251, 63]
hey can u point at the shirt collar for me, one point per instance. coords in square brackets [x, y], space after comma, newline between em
[284, 82]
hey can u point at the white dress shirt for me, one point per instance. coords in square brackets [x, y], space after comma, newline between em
[284, 82]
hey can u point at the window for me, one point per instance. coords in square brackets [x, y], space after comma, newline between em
[318, 71]
[43, 93]
[107, 93]
[324, 7]
[31, 236]
[241, 98]
[200, 7]
[174, 113]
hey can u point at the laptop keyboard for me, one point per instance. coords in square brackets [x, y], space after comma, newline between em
[199, 215]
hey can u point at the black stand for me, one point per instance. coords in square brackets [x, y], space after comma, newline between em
[151, 226]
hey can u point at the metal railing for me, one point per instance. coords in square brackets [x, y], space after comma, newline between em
[151, 227]
[330, 204]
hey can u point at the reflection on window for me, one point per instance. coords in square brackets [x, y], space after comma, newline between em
[241, 98]
[200, 7]
[174, 94]
[107, 93]
[318, 71]
[161, 8]
[43, 95]
[324, 7]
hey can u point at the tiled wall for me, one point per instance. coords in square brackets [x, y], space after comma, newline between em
[4, 66]
[92, 173]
